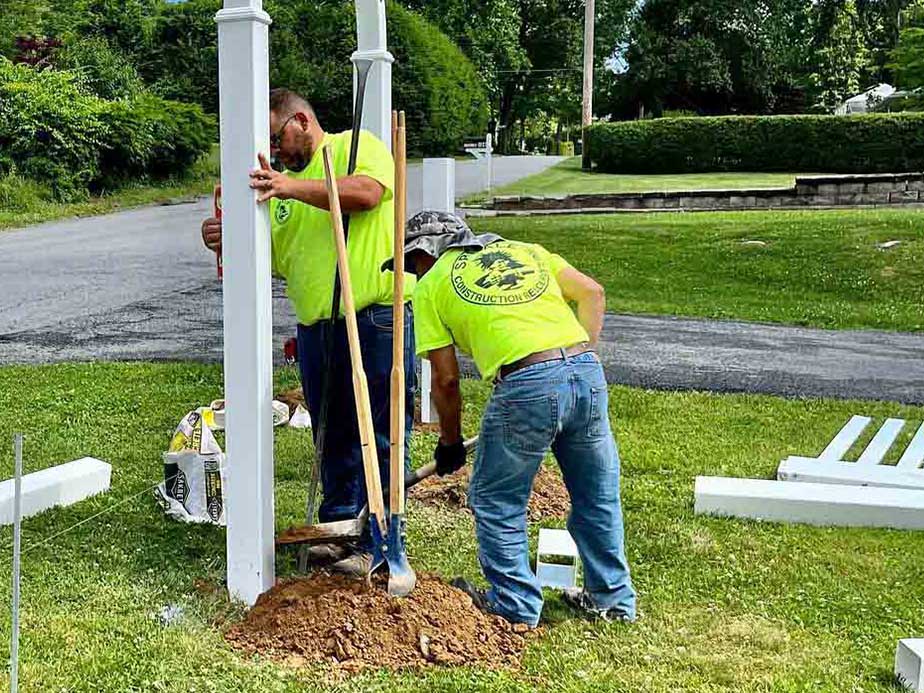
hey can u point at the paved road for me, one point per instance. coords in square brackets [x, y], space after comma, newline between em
[138, 285]
[80, 269]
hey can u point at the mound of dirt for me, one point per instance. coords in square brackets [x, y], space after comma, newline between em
[549, 499]
[351, 625]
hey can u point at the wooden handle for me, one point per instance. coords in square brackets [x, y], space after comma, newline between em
[396, 488]
[360, 386]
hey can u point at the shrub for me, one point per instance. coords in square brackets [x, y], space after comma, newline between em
[837, 144]
[20, 195]
[436, 84]
[50, 128]
[106, 71]
[53, 130]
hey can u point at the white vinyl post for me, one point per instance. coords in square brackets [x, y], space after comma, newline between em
[372, 44]
[439, 194]
[243, 59]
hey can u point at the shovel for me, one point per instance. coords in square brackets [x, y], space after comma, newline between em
[345, 531]
[401, 576]
[377, 521]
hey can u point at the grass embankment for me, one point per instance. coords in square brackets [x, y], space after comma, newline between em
[567, 177]
[24, 202]
[816, 268]
[726, 605]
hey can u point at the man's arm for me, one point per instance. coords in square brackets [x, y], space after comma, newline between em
[357, 193]
[446, 393]
[590, 298]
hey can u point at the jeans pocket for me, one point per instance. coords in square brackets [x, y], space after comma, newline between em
[597, 413]
[381, 317]
[530, 424]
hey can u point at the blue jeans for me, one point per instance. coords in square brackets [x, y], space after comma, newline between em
[560, 405]
[342, 480]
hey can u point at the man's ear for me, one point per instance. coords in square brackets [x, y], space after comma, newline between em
[304, 120]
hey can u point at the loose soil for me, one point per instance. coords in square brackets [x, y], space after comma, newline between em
[548, 501]
[351, 625]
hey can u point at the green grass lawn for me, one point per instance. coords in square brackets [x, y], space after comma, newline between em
[31, 205]
[819, 268]
[568, 178]
[726, 605]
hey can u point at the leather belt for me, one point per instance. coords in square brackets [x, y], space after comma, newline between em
[542, 357]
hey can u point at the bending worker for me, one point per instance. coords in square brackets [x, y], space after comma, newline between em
[506, 304]
[304, 255]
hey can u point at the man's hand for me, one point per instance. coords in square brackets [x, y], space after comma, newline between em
[270, 183]
[211, 234]
[449, 458]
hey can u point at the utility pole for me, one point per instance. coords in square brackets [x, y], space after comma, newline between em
[587, 106]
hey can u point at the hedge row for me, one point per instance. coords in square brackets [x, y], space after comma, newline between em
[837, 144]
[54, 130]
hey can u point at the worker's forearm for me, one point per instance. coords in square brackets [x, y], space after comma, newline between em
[354, 194]
[590, 312]
[448, 400]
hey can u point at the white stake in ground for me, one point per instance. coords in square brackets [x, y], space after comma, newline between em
[17, 546]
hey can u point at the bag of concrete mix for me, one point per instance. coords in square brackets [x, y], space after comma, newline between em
[194, 472]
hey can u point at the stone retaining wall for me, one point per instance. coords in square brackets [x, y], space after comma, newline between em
[815, 191]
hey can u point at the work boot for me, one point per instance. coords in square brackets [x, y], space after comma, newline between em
[478, 595]
[356, 564]
[580, 600]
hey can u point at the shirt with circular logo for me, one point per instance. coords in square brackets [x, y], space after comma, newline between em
[303, 240]
[497, 304]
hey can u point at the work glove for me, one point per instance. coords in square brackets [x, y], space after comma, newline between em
[449, 458]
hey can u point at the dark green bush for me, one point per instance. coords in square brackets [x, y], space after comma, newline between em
[53, 130]
[436, 84]
[310, 46]
[836, 144]
[106, 70]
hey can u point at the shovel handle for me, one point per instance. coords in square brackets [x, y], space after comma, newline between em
[360, 384]
[429, 469]
[396, 489]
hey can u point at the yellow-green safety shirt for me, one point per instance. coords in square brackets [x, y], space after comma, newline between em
[498, 305]
[304, 253]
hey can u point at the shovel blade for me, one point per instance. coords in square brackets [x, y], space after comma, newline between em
[401, 576]
[379, 547]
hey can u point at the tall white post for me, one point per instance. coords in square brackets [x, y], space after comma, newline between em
[372, 44]
[243, 59]
[439, 194]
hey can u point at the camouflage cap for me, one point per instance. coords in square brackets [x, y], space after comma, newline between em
[434, 233]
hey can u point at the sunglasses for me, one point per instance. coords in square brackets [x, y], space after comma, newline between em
[276, 137]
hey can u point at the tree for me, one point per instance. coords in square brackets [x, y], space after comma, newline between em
[841, 56]
[907, 59]
[713, 56]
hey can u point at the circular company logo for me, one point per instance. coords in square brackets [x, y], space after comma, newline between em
[283, 211]
[503, 274]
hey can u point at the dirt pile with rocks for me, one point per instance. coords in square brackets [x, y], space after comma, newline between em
[352, 625]
[549, 499]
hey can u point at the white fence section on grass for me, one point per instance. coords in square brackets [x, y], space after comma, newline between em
[830, 467]
[556, 542]
[64, 484]
[808, 503]
[909, 664]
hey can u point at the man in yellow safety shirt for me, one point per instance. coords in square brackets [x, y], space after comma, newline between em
[304, 255]
[506, 304]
